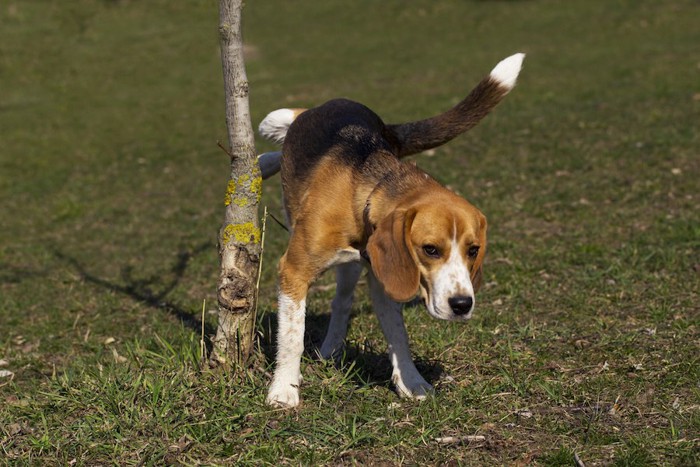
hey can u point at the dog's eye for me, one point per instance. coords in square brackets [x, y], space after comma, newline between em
[473, 251]
[431, 250]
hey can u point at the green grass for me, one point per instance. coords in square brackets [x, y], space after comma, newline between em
[585, 340]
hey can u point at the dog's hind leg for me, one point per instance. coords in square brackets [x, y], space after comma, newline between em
[346, 277]
[405, 376]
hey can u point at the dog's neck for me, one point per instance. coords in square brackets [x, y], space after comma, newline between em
[399, 183]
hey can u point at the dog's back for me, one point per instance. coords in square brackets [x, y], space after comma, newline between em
[341, 129]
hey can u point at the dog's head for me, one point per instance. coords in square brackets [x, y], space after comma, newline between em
[435, 245]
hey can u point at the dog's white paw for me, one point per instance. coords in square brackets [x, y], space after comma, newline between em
[412, 387]
[283, 395]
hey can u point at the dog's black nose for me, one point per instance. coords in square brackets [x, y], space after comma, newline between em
[461, 304]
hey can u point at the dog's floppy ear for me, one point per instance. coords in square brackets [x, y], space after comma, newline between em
[476, 271]
[392, 258]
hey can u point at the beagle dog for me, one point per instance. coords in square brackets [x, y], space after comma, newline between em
[351, 202]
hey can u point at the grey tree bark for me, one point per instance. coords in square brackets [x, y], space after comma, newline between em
[239, 236]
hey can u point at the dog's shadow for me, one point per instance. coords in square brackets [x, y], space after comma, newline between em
[370, 364]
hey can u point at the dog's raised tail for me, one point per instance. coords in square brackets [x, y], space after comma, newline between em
[274, 128]
[414, 137]
[275, 125]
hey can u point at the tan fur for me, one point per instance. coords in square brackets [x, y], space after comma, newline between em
[444, 215]
[326, 214]
[393, 257]
[314, 239]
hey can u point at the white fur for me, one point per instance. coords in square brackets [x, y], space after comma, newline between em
[451, 280]
[274, 127]
[507, 70]
[284, 390]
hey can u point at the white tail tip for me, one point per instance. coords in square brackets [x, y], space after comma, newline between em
[507, 70]
[274, 127]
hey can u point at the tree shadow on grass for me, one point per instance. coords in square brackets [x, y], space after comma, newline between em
[11, 274]
[151, 291]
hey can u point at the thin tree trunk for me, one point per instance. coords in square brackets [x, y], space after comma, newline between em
[239, 237]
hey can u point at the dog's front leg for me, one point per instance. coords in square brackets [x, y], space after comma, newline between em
[284, 390]
[405, 376]
[291, 314]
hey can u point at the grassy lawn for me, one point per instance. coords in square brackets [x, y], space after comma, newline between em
[585, 340]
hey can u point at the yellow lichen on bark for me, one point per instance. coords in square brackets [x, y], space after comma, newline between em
[241, 233]
[230, 190]
[240, 202]
[256, 187]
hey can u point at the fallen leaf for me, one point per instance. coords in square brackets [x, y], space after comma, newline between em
[118, 358]
[14, 429]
